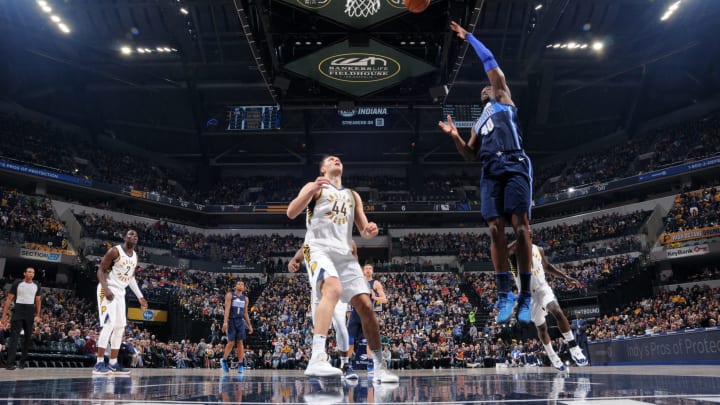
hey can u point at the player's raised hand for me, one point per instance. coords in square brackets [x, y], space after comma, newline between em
[320, 183]
[461, 32]
[370, 231]
[449, 128]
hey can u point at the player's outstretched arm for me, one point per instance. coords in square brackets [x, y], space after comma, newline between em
[492, 69]
[468, 150]
[551, 269]
[306, 194]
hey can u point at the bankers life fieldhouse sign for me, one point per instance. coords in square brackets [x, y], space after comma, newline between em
[359, 70]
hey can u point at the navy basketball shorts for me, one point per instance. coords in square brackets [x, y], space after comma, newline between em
[506, 186]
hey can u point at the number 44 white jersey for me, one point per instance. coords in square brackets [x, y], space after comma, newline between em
[330, 218]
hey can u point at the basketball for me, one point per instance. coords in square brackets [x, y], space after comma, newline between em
[416, 6]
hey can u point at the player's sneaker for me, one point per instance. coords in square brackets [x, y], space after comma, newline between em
[382, 375]
[523, 314]
[383, 392]
[349, 373]
[319, 366]
[225, 365]
[557, 363]
[117, 369]
[321, 395]
[371, 368]
[578, 356]
[505, 308]
[101, 369]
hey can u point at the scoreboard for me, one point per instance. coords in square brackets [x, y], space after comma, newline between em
[253, 118]
[463, 115]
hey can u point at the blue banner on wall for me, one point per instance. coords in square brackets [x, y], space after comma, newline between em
[696, 346]
[49, 174]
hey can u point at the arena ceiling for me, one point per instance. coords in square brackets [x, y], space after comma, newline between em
[208, 55]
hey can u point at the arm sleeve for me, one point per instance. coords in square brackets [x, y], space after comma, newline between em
[487, 58]
[134, 287]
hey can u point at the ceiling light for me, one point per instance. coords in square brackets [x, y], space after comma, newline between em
[42, 3]
[597, 46]
[583, 46]
[141, 50]
[55, 18]
[46, 8]
[160, 49]
[126, 50]
[556, 46]
[184, 10]
[572, 45]
[167, 49]
[64, 28]
[538, 7]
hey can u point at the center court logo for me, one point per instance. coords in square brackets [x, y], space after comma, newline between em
[359, 67]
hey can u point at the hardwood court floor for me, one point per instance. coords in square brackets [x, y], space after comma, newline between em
[597, 385]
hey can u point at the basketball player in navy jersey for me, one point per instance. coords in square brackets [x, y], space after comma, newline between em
[236, 324]
[331, 211]
[354, 325]
[506, 180]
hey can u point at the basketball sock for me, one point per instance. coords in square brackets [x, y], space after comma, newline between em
[502, 280]
[101, 359]
[525, 283]
[549, 350]
[377, 358]
[318, 346]
[343, 361]
[568, 336]
[113, 362]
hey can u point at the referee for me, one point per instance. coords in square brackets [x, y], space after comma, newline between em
[26, 295]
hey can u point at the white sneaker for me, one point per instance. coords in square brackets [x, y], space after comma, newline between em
[578, 356]
[382, 375]
[319, 366]
[383, 392]
[557, 363]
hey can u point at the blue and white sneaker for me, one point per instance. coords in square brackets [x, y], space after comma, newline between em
[349, 373]
[371, 369]
[101, 369]
[578, 356]
[557, 363]
[117, 369]
[505, 308]
[524, 301]
[240, 369]
[225, 366]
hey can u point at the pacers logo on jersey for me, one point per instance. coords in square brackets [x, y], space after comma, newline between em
[313, 266]
[341, 205]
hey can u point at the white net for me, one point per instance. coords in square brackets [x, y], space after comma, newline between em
[361, 8]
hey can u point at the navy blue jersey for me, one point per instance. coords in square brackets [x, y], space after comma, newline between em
[237, 306]
[498, 129]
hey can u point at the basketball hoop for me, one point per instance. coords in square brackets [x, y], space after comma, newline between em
[361, 8]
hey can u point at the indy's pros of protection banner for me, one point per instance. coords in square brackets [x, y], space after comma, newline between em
[691, 347]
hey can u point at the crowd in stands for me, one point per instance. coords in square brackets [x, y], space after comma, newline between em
[693, 210]
[233, 249]
[25, 218]
[428, 322]
[562, 242]
[43, 144]
[687, 142]
[682, 308]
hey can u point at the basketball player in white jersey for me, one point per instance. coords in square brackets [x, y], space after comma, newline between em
[115, 274]
[331, 212]
[544, 301]
[338, 317]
